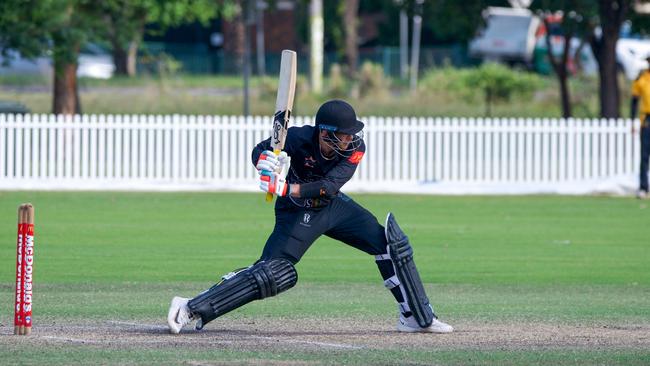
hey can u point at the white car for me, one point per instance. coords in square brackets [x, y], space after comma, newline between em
[94, 62]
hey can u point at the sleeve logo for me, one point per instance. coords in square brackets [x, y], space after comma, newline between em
[356, 157]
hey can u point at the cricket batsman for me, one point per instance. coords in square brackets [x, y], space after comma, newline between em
[307, 177]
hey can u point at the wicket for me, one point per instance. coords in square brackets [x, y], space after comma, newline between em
[24, 270]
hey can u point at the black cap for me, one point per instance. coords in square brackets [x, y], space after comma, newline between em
[338, 116]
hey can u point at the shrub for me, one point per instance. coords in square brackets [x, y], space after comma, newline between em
[161, 64]
[491, 82]
[497, 83]
[337, 83]
[441, 80]
[372, 81]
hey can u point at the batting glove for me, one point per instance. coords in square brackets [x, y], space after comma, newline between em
[267, 161]
[274, 183]
[284, 162]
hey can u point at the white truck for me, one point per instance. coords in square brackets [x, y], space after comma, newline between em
[511, 35]
[631, 56]
[508, 36]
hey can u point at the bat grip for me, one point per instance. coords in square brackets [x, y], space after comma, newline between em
[269, 195]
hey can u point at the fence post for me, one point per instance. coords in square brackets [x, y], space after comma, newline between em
[176, 137]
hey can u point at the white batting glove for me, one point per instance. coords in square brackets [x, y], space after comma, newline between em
[284, 163]
[267, 161]
[274, 183]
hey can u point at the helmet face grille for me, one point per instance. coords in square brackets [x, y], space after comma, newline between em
[333, 142]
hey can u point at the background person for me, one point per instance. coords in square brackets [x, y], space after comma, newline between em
[641, 90]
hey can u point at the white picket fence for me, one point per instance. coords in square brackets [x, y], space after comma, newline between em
[427, 155]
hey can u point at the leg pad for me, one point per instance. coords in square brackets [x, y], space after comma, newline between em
[262, 280]
[401, 254]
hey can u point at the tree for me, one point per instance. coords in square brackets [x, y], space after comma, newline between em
[455, 20]
[560, 67]
[564, 16]
[350, 18]
[604, 33]
[61, 27]
[124, 22]
[611, 14]
[570, 23]
[124, 25]
[445, 21]
[601, 29]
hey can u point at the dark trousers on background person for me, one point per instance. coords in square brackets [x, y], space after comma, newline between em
[645, 155]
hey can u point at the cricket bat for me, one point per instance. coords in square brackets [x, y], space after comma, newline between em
[283, 103]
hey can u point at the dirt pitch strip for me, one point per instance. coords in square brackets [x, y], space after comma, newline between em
[341, 335]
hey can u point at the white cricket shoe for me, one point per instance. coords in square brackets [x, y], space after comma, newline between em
[410, 325]
[179, 314]
[640, 194]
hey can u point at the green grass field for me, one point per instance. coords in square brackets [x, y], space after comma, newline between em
[525, 280]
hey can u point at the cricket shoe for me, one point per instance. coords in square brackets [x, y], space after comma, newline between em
[410, 325]
[179, 314]
[641, 194]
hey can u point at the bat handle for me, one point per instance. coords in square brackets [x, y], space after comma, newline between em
[269, 195]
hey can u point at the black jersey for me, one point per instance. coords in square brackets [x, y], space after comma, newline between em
[320, 179]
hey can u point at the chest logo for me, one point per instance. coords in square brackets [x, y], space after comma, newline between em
[310, 162]
[306, 218]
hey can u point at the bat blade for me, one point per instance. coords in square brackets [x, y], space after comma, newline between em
[284, 100]
[283, 103]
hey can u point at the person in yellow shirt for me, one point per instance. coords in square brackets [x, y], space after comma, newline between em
[641, 90]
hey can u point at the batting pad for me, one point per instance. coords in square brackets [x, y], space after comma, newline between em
[262, 280]
[401, 254]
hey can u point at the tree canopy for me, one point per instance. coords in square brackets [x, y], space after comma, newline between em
[61, 27]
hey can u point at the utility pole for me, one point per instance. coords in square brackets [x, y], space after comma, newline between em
[403, 43]
[415, 47]
[246, 18]
[316, 25]
[260, 6]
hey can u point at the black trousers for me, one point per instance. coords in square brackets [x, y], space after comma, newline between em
[296, 229]
[343, 219]
[645, 156]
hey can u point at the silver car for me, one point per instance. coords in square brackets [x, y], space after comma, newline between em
[94, 62]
